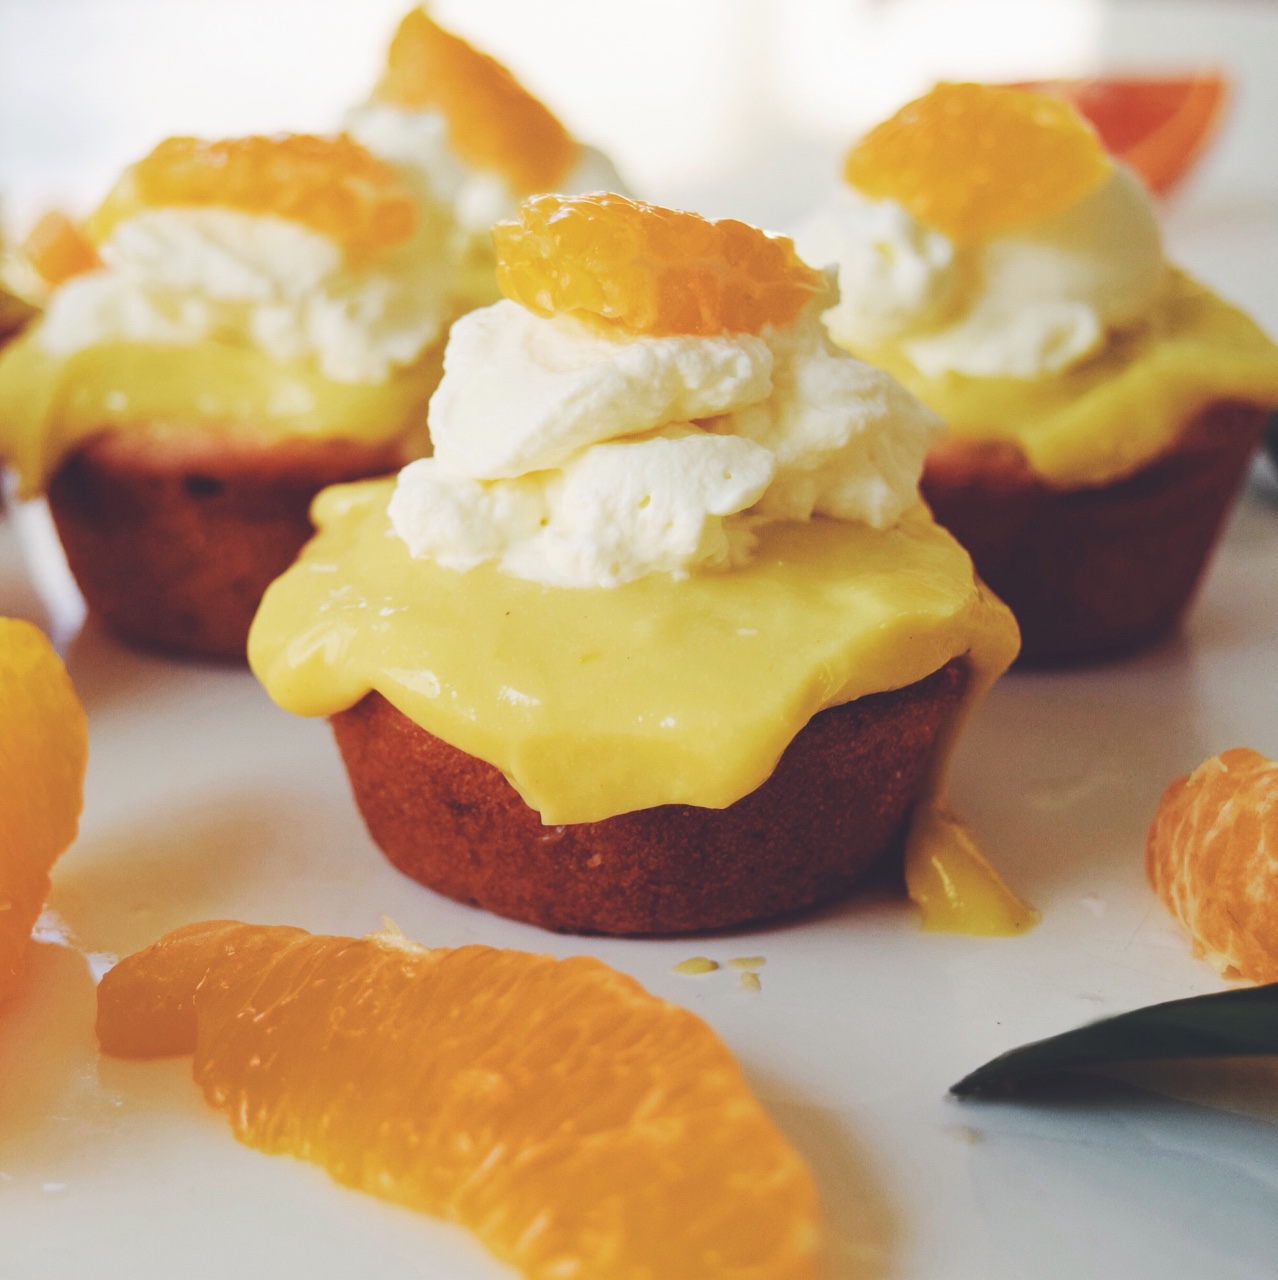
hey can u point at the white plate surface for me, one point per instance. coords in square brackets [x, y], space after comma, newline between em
[204, 800]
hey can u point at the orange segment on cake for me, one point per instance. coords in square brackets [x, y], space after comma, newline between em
[1102, 405]
[665, 588]
[43, 750]
[578, 1126]
[494, 123]
[470, 138]
[1022, 157]
[649, 270]
[57, 248]
[331, 186]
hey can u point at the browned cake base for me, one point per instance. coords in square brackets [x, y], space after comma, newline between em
[173, 539]
[836, 805]
[1095, 572]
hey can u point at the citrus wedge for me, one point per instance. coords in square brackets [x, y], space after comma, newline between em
[43, 750]
[1159, 126]
[976, 160]
[1212, 857]
[493, 121]
[331, 185]
[645, 269]
[58, 249]
[578, 1126]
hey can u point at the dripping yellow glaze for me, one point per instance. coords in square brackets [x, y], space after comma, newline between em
[947, 875]
[1116, 411]
[49, 404]
[599, 702]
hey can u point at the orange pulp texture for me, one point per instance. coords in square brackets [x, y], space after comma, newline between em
[1158, 126]
[577, 1125]
[331, 185]
[58, 249]
[976, 160]
[649, 270]
[1212, 857]
[493, 121]
[43, 750]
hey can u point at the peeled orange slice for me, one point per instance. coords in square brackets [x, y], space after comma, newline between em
[493, 121]
[43, 750]
[58, 249]
[976, 160]
[649, 270]
[331, 185]
[1212, 857]
[1159, 126]
[578, 1126]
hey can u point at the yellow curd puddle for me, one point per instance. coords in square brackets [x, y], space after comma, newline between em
[49, 404]
[1112, 413]
[594, 703]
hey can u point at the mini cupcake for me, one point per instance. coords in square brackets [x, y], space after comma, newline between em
[470, 139]
[661, 638]
[1102, 405]
[267, 319]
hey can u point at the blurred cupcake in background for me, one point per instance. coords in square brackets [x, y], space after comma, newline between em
[261, 318]
[471, 140]
[1102, 405]
[17, 303]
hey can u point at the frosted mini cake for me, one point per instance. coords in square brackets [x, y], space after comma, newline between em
[661, 638]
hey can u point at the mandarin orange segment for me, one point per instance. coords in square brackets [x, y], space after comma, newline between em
[493, 121]
[578, 1126]
[331, 185]
[1160, 126]
[976, 160]
[58, 249]
[43, 749]
[649, 270]
[1212, 857]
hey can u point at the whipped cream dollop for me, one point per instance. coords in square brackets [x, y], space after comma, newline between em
[1025, 304]
[578, 456]
[190, 275]
[417, 142]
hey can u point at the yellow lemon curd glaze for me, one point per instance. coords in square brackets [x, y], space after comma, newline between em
[1116, 411]
[49, 404]
[599, 702]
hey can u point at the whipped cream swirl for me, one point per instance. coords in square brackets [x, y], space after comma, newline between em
[1025, 304]
[191, 275]
[577, 456]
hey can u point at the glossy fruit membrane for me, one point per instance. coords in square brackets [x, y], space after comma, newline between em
[331, 185]
[976, 160]
[578, 1126]
[1159, 126]
[646, 269]
[58, 249]
[493, 121]
[1212, 857]
[43, 751]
